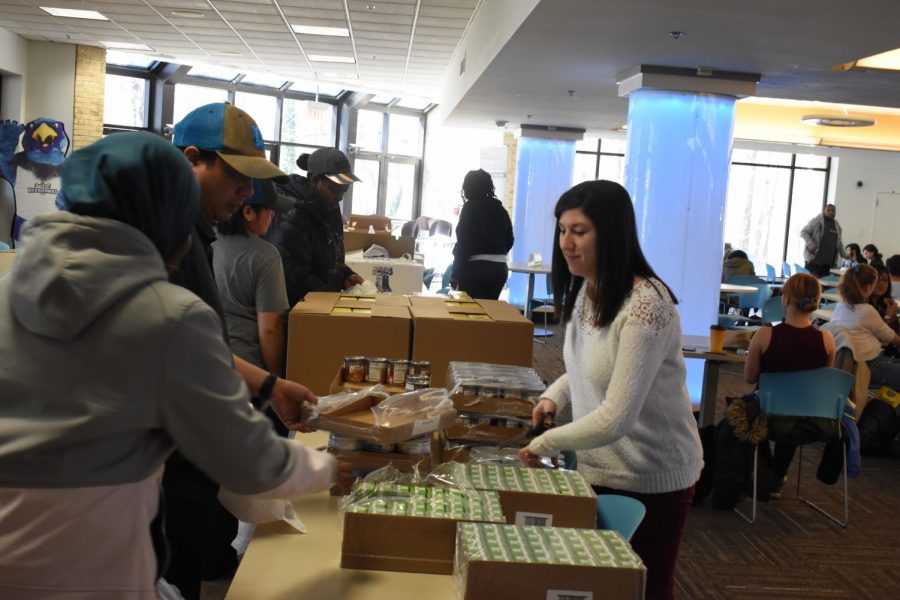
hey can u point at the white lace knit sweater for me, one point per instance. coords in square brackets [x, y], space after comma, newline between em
[632, 422]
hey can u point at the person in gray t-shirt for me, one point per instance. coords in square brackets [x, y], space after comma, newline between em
[250, 279]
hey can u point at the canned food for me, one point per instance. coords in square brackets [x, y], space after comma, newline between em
[397, 371]
[379, 447]
[418, 382]
[470, 389]
[417, 445]
[377, 372]
[355, 369]
[345, 443]
[492, 391]
[420, 367]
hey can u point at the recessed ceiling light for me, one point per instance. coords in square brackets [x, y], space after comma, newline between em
[370, 7]
[127, 46]
[331, 59]
[188, 14]
[338, 75]
[229, 53]
[832, 121]
[316, 30]
[74, 13]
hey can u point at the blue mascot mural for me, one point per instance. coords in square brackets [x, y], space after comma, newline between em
[29, 179]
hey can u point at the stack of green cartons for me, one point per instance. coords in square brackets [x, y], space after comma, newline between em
[512, 561]
[427, 502]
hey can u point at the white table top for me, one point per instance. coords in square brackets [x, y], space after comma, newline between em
[837, 271]
[831, 296]
[519, 267]
[828, 283]
[733, 288]
[823, 314]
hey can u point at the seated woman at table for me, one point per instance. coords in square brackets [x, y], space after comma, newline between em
[882, 300]
[737, 263]
[484, 236]
[873, 257]
[794, 345]
[854, 257]
[625, 375]
[108, 368]
[867, 330]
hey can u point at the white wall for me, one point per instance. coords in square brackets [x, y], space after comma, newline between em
[879, 172]
[13, 64]
[50, 83]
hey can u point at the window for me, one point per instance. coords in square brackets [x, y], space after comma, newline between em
[307, 122]
[288, 155]
[406, 133]
[599, 159]
[369, 130]
[401, 183]
[365, 192]
[211, 72]
[125, 101]
[189, 97]
[263, 109]
[771, 196]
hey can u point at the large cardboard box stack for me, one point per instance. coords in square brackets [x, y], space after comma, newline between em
[363, 240]
[392, 527]
[472, 330]
[328, 326]
[540, 563]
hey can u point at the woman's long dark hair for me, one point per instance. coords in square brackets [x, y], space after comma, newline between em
[619, 256]
[478, 185]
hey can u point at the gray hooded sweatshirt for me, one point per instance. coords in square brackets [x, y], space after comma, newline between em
[104, 368]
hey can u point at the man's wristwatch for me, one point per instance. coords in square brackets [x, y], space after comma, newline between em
[268, 384]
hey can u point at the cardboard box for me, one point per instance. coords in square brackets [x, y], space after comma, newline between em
[612, 569]
[390, 275]
[337, 386]
[327, 326]
[514, 407]
[485, 433]
[388, 542]
[363, 222]
[363, 240]
[475, 330]
[371, 461]
[356, 420]
[533, 507]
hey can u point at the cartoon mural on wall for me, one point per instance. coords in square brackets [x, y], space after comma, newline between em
[29, 179]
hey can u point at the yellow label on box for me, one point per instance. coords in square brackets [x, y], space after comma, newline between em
[341, 310]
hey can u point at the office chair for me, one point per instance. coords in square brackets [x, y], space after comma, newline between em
[620, 513]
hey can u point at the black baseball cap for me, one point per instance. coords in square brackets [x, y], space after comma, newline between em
[330, 162]
[265, 195]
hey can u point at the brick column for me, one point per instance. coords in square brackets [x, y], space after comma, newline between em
[90, 79]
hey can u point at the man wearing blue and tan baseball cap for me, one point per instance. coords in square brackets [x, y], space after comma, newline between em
[226, 150]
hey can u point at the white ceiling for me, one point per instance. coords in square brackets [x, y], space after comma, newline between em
[405, 47]
[582, 45]
[402, 46]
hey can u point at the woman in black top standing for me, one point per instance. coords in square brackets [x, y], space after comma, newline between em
[484, 236]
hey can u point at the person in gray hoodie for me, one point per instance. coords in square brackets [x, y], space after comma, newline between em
[106, 368]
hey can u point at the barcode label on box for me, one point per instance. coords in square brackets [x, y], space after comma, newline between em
[569, 595]
[536, 519]
[425, 426]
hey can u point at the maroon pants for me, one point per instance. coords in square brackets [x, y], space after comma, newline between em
[658, 537]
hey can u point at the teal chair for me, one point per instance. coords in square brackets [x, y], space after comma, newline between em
[749, 300]
[4, 246]
[799, 269]
[813, 393]
[786, 270]
[619, 513]
[770, 273]
[773, 311]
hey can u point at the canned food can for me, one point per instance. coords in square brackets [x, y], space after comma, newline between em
[346, 443]
[417, 445]
[470, 389]
[420, 367]
[398, 371]
[491, 391]
[355, 369]
[417, 382]
[377, 372]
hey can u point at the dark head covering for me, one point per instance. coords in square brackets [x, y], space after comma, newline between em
[137, 178]
[478, 185]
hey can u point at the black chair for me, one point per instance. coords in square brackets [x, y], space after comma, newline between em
[440, 227]
[408, 228]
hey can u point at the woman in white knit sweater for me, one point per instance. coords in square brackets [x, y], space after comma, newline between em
[867, 330]
[633, 428]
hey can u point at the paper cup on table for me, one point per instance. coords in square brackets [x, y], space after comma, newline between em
[716, 338]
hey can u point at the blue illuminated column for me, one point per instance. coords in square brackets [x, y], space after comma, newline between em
[678, 156]
[543, 172]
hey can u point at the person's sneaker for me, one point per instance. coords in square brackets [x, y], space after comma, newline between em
[777, 486]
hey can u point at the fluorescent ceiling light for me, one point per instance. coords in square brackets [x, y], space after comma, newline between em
[73, 13]
[889, 61]
[127, 46]
[837, 121]
[188, 14]
[316, 30]
[331, 59]
[229, 53]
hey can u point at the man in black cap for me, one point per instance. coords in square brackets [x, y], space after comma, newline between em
[310, 238]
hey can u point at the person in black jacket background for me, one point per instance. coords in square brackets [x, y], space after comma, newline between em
[484, 236]
[310, 237]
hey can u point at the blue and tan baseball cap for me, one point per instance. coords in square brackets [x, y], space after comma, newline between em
[232, 134]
